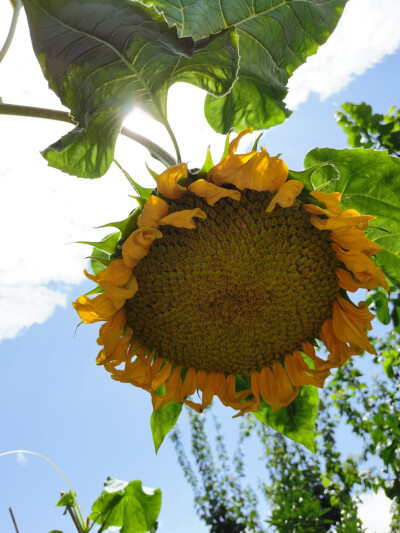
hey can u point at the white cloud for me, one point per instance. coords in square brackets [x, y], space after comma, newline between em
[367, 31]
[21, 459]
[374, 512]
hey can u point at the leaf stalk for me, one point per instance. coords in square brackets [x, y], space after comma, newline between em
[53, 114]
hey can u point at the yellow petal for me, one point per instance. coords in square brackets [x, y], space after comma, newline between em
[183, 219]
[167, 182]
[256, 170]
[346, 280]
[119, 293]
[355, 239]
[282, 389]
[350, 330]
[363, 268]
[212, 193]
[137, 245]
[96, 309]
[338, 222]
[300, 374]
[116, 273]
[286, 195]
[111, 332]
[190, 382]
[227, 169]
[234, 144]
[153, 211]
[330, 199]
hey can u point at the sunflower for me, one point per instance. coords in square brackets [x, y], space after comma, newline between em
[227, 284]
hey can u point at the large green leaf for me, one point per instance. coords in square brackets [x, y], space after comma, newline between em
[275, 38]
[369, 182]
[126, 505]
[163, 420]
[101, 57]
[295, 421]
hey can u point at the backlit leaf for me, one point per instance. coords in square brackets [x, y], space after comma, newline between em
[163, 420]
[128, 506]
[295, 421]
[102, 57]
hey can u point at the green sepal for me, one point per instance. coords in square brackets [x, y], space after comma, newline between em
[152, 173]
[122, 225]
[141, 201]
[107, 244]
[225, 153]
[255, 145]
[163, 420]
[190, 178]
[297, 420]
[99, 260]
[143, 191]
[305, 175]
[207, 165]
[96, 290]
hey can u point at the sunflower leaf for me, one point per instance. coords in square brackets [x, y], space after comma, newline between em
[102, 57]
[370, 183]
[275, 38]
[295, 421]
[163, 420]
[305, 176]
[128, 506]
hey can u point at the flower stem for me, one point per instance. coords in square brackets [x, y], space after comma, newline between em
[40, 112]
[28, 452]
[11, 31]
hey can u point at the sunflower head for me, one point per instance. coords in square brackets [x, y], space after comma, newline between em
[228, 282]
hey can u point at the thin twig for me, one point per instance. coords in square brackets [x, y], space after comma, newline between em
[13, 519]
[11, 31]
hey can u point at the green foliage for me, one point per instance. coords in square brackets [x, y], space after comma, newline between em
[295, 421]
[220, 500]
[370, 130]
[310, 493]
[67, 500]
[126, 505]
[103, 56]
[163, 420]
[367, 181]
[121, 504]
[274, 39]
[372, 408]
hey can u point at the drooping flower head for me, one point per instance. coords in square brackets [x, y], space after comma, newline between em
[228, 282]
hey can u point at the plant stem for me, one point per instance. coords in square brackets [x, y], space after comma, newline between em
[28, 452]
[156, 151]
[11, 31]
[174, 141]
[13, 519]
[75, 520]
[35, 112]
[40, 112]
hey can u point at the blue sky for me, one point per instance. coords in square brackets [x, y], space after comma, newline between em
[54, 399]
